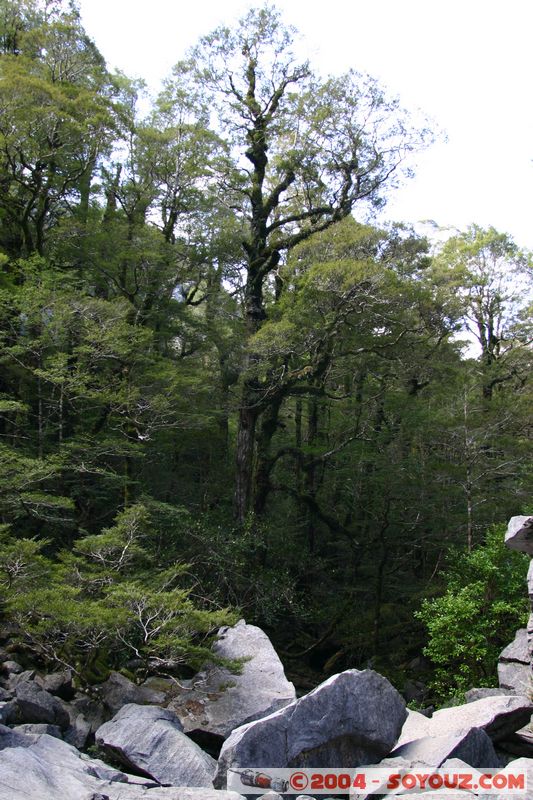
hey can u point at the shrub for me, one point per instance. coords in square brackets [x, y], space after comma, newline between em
[106, 601]
[485, 601]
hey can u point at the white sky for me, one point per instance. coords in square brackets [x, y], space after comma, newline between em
[468, 64]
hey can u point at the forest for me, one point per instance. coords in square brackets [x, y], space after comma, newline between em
[226, 391]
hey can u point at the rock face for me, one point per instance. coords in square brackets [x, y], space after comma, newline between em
[514, 676]
[519, 743]
[35, 705]
[28, 727]
[117, 691]
[473, 746]
[478, 694]
[416, 726]
[353, 718]
[44, 768]
[517, 650]
[519, 535]
[220, 701]
[151, 740]
[57, 683]
[497, 716]
[514, 667]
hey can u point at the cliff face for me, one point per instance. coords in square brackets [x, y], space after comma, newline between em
[514, 668]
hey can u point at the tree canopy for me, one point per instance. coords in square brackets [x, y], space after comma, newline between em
[224, 388]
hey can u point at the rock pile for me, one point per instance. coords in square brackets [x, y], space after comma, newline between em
[158, 733]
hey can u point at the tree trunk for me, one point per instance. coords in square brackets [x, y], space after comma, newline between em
[245, 459]
[261, 483]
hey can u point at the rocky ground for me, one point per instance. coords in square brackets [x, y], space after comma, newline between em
[165, 740]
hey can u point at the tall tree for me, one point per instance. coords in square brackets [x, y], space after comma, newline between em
[315, 148]
[56, 121]
[492, 277]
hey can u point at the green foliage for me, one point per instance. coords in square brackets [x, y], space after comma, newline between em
[484, 603]
[187, 290]
[109, 597]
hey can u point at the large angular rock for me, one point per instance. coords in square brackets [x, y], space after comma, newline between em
[403, 767]
[353, 718]
[519, 534]
[57, 683]
[416, 726]
[514, 676]
[514, 668]
[497, 716]
[220, 701]
[478, 694]
[16, 678]
[10, 738]
[517, 650]
[11, 667]
[39, 728]
[517, 765]
[118, 691]
[78, 731]
[472, 746]
[151, 739]
[519, 743]
[36, 705]
[92, 710]
[7, 712]
[44, 768]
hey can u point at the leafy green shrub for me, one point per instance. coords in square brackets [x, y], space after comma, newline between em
[484, 603]
[105, 602]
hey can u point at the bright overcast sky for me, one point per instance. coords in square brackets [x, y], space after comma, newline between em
[468, 64]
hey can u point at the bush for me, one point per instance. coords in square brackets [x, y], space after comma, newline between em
[105, 602]
[484, 603]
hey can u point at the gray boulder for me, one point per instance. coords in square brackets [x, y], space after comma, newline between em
[7, 712]
[478, 694]
[220, 701]
[57, 683]
[11, 667]
[36, 705]
[519, 743]
[39, 727]
[118, 691]
[518, 649]
[16, 678]
[519, 764]
[44, 768]
[78, 731]
[353, 718]
[497, 716]
[514, 668]
[519, 534]
[514, 676]
[453, 766]
[416, 726]
[402, 766]
[91, 710]
[80, 728]
[472, 746]
[151, 739]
